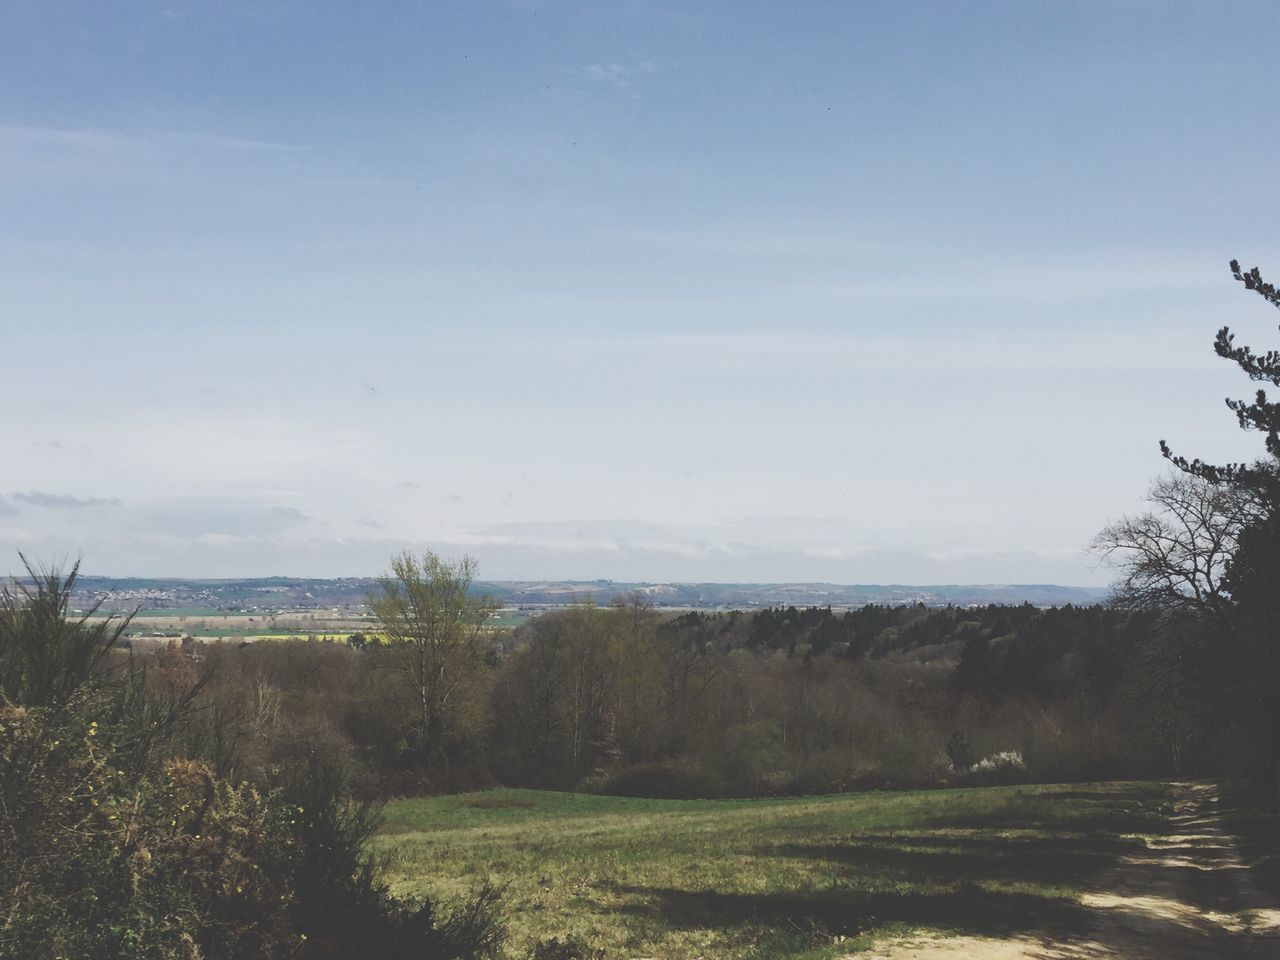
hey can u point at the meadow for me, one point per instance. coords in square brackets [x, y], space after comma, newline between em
[810, 877]
[206, 623]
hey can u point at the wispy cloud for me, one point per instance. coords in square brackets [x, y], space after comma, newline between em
[7, 509]
[937, 351]
[618, 74]
[143, 155]
[61, 501]
[632, 538]
[99, 138]
[290, 513]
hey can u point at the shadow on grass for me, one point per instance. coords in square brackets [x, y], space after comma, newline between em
[1114, 809]
[1255, 821]
[839, 912]
[1028, 844]
[1048, 928]
[998, 875]
[949, 859]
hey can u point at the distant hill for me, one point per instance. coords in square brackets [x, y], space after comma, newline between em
[748, 595]
[292, 593]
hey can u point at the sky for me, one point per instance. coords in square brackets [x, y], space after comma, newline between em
[848, 292]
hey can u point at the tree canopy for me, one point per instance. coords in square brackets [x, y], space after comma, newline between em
[1250, 575]
[1260, 413]
[434, 628]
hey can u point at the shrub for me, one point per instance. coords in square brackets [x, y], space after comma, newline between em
[666, 781]
[110, 849]
[100, 862]
[959, 752]
[751, 758]
[830, 771]
[998, 768]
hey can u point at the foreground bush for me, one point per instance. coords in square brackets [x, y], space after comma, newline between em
[111, 846]
[100, 863]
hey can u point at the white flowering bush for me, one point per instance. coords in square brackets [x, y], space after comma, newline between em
[1004, 760]
[1007, 766]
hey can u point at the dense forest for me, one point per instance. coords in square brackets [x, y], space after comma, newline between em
[784, 700]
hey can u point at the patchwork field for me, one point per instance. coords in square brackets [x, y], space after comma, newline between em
[210, 624]
[806, 877]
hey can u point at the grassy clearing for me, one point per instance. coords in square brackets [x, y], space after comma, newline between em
[805, 877]
[171, 613]
[508, 619]
[256, 635]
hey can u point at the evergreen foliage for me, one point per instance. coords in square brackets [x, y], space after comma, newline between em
[1249, 634]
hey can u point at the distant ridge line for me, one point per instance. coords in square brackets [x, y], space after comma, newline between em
[260, 592]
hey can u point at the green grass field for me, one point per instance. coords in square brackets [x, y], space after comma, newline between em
[148, 613]
[508, 619]
[271, 635]
[809, 877]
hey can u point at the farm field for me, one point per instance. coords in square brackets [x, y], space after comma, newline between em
[207, 624]
[804, 877]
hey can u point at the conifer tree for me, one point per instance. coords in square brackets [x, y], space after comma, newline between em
[1252, 578]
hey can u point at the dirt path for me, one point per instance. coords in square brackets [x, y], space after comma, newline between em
[1188, 896]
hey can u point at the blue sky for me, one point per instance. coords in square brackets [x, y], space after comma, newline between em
[704, 291]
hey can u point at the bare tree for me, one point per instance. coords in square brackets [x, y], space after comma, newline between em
[435, 631]
[1175, 556]
[1176, 562]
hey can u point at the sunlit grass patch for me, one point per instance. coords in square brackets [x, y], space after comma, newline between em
[776, 877]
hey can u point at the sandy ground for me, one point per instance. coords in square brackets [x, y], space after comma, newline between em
[1188, 896]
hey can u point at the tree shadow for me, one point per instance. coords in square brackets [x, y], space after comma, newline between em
[950, 859]
[1016, 879]
[945, 878]
[1256, 825]
[1057, 925]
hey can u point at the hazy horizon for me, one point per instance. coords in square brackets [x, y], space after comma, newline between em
[700, 292]
[98, 575]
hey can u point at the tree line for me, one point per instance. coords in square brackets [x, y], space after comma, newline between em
[630, 699]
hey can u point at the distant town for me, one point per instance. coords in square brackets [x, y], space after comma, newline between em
[277, 594]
